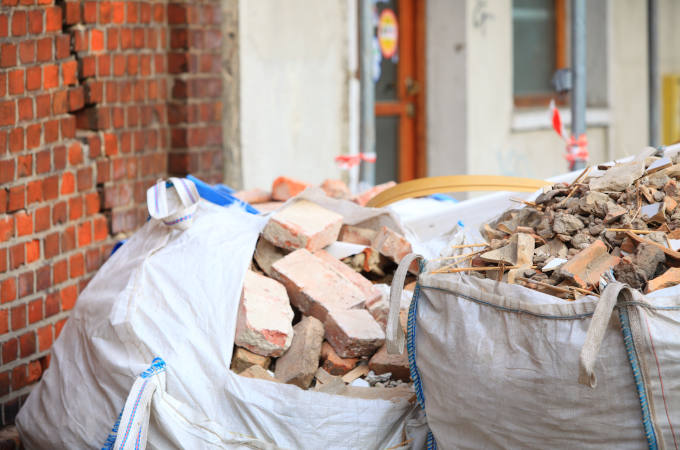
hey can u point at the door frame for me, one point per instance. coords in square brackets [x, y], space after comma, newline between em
[412, 155]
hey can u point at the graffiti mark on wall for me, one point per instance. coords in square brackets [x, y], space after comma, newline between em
[481, 15]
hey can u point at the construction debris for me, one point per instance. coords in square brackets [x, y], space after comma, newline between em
[316, 320]
[619, 222]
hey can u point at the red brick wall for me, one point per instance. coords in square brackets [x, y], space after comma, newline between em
[98, 99]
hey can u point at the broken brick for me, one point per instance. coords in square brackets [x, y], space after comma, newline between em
[284, 188]
[356, 235]
[670, 278]
[391, 244]
[314, 287]
[264, 324]
[253, 196]
[303, 224]
[243, 359]
[366, 196]
[333, 363]
[300, 362]
[353, 333]
[586, 267]
[397, 365]
[267, 254]
[336, 189]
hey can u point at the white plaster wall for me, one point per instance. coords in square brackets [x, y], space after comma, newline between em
[446, 87]
[628, 102]
[294, 89]
[669, 33]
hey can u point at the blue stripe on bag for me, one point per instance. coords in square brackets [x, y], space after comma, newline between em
[650, 434]
[411, 348]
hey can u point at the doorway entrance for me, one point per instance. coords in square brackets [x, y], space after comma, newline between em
[399, 76]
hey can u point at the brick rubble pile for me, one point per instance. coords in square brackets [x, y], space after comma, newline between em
[624, 222]
[309, 319]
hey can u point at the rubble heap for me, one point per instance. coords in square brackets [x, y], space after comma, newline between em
[309, 319]
[625, 222]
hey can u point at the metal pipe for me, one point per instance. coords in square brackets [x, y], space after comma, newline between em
[653, 72]
[367, 174]
[578, 67]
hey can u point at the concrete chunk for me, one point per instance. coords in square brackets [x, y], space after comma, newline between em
[619, 177]
[314, 287]
[303, 224]
[299, 364]
[264, 324]
[353, 333]
[243, 359]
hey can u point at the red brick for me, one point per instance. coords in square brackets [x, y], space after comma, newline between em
[84, 234]
[72, 12]
[177, 14]
[45, 49]
[53, 19]
[16, 140]
[76, 98]
[59, 157]
[27, 51]
[19, 377]
[92, 260]
[69, 296]
[367, 195]
[110, 144]
[6, 228]
[16, 256]
[60, 272]
[26, 284]
[19, 23]
[3, 261]
[334, 364]
[43, 162]
[59, 213]
[3, 146]
[91, 204]
[33, 135]
[42, 219]
[51, 245]
[132, 12]
[101, 231]
[24, 165]
[43, 278]
[33, 78]
[42, 105]
[90, 12]
[68, 239]
[75, 208]
[17, 198]
[96, 40]
[16, 82]
[7, 113]
[8, 55]
[8, 290]
[44, 338]
[18, 317]
[34, 192]
[24, 223]
[68, 70]
[84, 177]
[4, 25]
[27, 344]
[104, 65]
[4, 321]
[68, 127]
[63, 45]
[51, 76]
[6, 171]
[52, 304]
[50, 187]
[25, 108]
[9, 350]
[35, 22]
[35, 311]
[67, 183]
[80, 41]
[32, 251]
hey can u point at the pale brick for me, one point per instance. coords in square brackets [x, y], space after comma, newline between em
[353, 333]
[391, 244]
[380, 307]
[397, 365]
[299, 364]
[303, 224]
[284, 188]
[336, 189]
[313, 287]
[268, 207]
[254, 196]
[258, 373]
[243, 359]
[356, 235]
[333, 363]
[368, 289]
[264, 324]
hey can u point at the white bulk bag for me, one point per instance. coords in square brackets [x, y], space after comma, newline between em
[174, 294]
[498, 365]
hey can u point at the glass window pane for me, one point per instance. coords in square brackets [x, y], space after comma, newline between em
[533, 29]
[385, 68]
[386, 145]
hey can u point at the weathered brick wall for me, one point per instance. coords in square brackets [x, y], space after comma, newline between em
[98, 99]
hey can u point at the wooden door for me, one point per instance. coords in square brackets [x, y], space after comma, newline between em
[399, 89]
